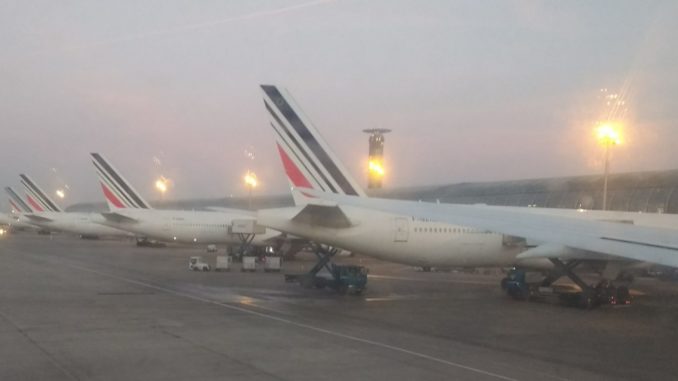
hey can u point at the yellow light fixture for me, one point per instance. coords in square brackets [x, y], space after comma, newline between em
[609, 133]
[251, 179]
[376, 168]
[161, 184]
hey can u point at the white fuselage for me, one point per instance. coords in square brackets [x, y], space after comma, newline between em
[400, 239]
[184, 226]
[84, 224]
[418, 242]
[18, 221]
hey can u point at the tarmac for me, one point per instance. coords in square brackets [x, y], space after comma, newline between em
[74, 309]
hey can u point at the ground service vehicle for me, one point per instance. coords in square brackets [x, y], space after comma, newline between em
[197, 264]
[341, 278]
[518, 287]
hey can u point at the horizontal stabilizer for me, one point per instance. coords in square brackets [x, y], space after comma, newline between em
[322, 215]
[119, 218]
[38, 218]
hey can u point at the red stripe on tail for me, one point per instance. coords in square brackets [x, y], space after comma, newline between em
[34, 204]
[111, 197]
[293, 173]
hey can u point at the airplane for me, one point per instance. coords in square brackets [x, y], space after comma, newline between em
[130, 212]
[310, 164]
[19, 212]
[47, 214]
[6, 219]
[332, 209]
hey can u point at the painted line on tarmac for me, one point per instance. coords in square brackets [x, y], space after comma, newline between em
[296, 324]
[40, 348]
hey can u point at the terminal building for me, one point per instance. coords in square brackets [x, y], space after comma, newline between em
[647, 192]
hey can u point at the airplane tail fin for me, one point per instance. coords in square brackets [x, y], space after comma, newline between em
[298, 181]
[18, 205]
[117, 190]
[37, 197]
[308, 160]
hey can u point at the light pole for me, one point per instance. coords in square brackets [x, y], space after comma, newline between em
[608, 135]
[375, 169]
[251, 183]
[161, 186]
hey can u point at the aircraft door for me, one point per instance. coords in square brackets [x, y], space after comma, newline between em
[401, 229]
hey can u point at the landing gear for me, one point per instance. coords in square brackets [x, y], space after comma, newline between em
[516, 286]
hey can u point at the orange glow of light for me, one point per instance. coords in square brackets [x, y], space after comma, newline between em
[161, 184]
[376, 168]
[251, 179]
[609, 133]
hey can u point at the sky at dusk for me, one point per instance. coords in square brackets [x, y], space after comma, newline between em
[473, 90]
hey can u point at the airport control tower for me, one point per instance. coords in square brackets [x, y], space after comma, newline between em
[375, 171]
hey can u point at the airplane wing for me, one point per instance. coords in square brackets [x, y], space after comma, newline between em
[118, 218]
[240, 212]
[625, 241]
[38, 218]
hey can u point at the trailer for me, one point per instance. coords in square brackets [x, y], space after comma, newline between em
[223, 263]
[272, 264]
[249, 264]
